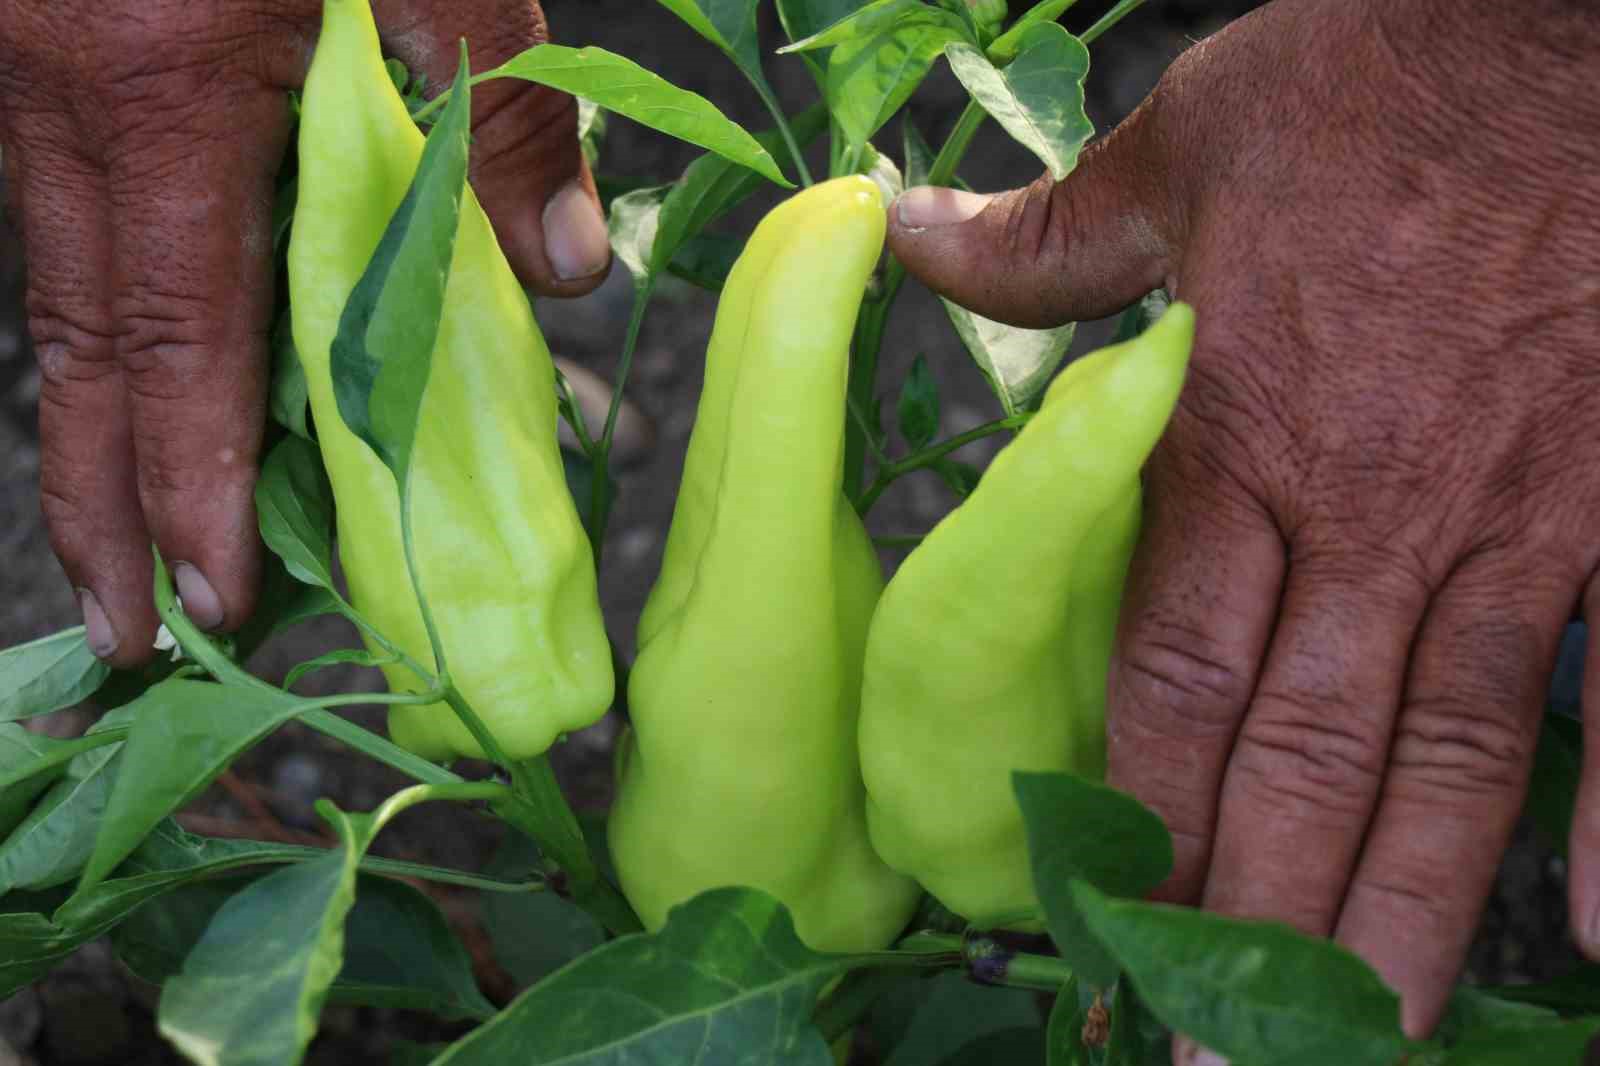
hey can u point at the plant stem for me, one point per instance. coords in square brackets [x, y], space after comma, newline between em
[943, 170]
[600, 458]
[1109, 19]
[764, 91]
[993, 964]
[889, 472]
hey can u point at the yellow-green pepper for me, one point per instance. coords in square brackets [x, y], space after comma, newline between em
[989, 650]
[502, 555]
[741, 764]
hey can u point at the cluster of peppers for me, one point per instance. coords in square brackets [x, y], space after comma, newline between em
[796, 725]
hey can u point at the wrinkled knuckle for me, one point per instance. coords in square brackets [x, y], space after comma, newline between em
[68, 348]
[1449, 751]
[1175, 682]
[1308, 752]
[1412, 897]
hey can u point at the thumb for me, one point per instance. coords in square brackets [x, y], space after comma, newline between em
[1053, 252]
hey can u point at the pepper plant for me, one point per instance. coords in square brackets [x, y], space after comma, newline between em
[250, 939]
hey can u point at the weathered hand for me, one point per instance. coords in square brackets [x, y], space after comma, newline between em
[1380, 499]
[141, 142]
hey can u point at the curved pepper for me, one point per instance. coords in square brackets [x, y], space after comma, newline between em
[503, 558]
[741, 764]
[989, 650]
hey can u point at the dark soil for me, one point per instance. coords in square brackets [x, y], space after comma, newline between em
[92, 1011]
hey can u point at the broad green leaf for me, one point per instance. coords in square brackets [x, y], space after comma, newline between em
[336, 657]
[1064, 1032]
[711, 186]
[253, 987]
[961, 477]
[1038, 98]
[870, 78]
[1079, 829]
[31, 763]
[707, 260]
[294, 508]
[1554, 1042]
[30, 947]
[635, 219]
[622, 86]
[383, 351]
[291, 395]
[726, 980]
[1018, 362]
[877, 18]
[536, 933]
[1553, 788]
[728, 24]
[804, 18]
[398, 953]
[1251, 991]
[183, 735]
[48, 674]
[957, 1012]
[1576, 992]
[918, 407]
[1003, 49]
[57, 837]
[919, 156]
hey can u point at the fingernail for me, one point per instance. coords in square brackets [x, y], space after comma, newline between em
[931, 206]
[1186, 1052]
[575, 236]
[97, 631]
[200, 601]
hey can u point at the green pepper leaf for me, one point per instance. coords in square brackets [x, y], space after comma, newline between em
[290, 396]
[1079, 829]
[957, 1014]
[1038, 98]
[1251, 991]
[803, 18]
[876, 18]
[399, 951]
[57, 836]
[1018, 362]
[254, 985]
[623, 87]
[1553, 788]
[711, 187]
[294, 509]
[869, 78]
[183, 735]
[336, 657]
[534, 933]
[728, 24]
[1064, 1032]
[1003, 49]
[706, 260]
[919, 156]
[918, 407]
[725, 980]
[31, 763]
[48, 674]
[383, 351]
[961, 477]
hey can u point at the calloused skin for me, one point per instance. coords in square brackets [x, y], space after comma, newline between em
[1379, 500]
[141, 142]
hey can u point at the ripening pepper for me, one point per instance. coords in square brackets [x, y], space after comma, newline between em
[740, 768]
[502, 555]
[990, 648]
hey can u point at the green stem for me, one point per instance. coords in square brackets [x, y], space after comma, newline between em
[888, 473]
[943, 170]
[781, 120]
[993, 963]
[441, 669]
[600, 458]
[1109, 19]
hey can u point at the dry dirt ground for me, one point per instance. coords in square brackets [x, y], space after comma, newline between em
[92, 1011]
